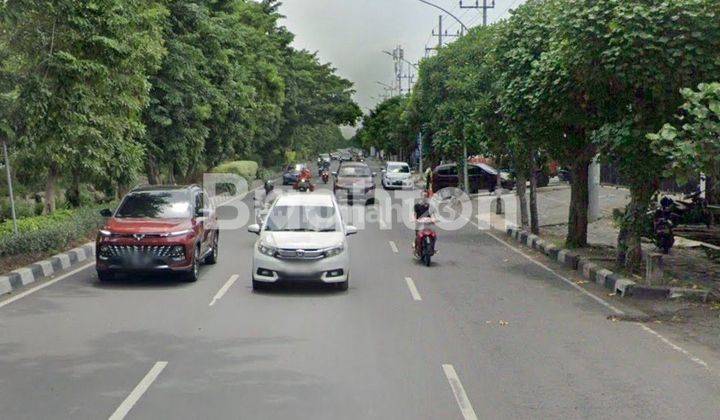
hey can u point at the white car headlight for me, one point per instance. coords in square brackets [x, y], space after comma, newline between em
[267, 250]
[336, 250]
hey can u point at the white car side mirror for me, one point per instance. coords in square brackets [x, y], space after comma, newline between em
[254, 229]
[351, 230]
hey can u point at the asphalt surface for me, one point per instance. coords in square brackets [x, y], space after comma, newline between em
[483, 332]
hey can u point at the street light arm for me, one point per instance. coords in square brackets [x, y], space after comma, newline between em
[448, 13]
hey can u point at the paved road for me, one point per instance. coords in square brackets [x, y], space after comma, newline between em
[484, 332]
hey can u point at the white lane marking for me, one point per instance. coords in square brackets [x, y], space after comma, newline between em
[394, 247]
[461, 397]
[44, 285]
[138, 392]
[601, 301]
[228, 284]
[674, 346]
[413, 290]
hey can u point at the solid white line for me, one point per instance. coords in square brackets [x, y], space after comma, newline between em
[394, 247]
[228, 284]
[674, 346]
[138, 392]
[461, 397]
[413, 290]
[44, 285]
[601, 301]
[577, 287]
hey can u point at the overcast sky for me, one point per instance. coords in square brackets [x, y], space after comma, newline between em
[351, 34]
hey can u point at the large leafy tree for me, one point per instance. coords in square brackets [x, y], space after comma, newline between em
[386, 128]
[80, 78]
[624, 65]
[315, 97]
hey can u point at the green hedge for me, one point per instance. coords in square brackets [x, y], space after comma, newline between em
[53, 232]
[245, 168]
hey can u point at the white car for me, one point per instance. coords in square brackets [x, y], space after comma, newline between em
[396, 175]
[303, 239]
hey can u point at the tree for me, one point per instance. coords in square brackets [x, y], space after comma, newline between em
[628, 62]
[385, 128]
[692, 146]
[81, 73]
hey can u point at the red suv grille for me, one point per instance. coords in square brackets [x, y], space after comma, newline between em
[134, 250]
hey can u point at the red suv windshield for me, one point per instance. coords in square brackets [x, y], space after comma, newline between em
[156, 205]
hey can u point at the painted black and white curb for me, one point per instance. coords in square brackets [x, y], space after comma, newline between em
[46, 268]
[595, 273]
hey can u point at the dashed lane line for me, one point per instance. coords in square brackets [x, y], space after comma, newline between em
[394, 247]
[466, 408]
[228, 284]
[413, 290]
[138, 392]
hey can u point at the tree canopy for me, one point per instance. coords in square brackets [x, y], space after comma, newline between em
[106, 90]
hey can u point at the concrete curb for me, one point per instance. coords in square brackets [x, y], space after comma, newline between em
[592, 272]
[46, 268]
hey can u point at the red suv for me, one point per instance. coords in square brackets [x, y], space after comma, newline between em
[158, 229]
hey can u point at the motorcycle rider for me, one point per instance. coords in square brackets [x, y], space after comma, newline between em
[422, 212]
[306, 175]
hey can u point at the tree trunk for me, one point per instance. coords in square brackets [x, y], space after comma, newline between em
[73, 193]
[50, 187]
[522, 199]
[630, 239]
[579, 202]
[172, 176]
[153, 170]
[534, 221]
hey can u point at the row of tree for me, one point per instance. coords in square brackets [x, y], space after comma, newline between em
[573, 80]
[101, 91]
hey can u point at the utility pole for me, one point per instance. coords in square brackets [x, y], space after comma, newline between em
[441, 35]
[399, 57]
[485, 7]
[10, 186]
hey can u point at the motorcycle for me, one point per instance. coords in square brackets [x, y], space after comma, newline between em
[425, 240]
[325, 176]
[304, 185]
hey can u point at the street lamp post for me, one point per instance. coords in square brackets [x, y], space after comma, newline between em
[464, 28]
[10, 186]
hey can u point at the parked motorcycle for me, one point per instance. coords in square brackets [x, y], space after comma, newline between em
[425, 241]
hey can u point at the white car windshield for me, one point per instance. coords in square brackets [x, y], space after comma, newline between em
[302, 219]
[398, 169]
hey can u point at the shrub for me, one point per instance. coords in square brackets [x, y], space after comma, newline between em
[245, 168]
[23, 208]
[54, 232]
[264, 174]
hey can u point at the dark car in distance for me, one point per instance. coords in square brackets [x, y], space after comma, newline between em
[354, 181]
[170, 229]
[292, 173]
[480, 177]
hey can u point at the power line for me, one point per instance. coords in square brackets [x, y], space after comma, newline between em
[477, 6]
